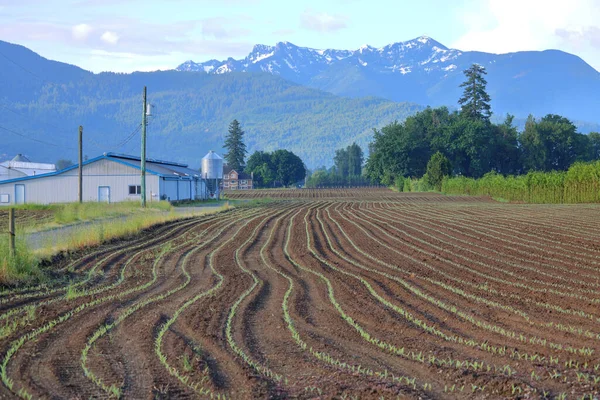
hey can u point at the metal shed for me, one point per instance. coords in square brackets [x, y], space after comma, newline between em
[109, 178]
[21, 166]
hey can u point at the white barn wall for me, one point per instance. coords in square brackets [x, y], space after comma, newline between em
[63, 188]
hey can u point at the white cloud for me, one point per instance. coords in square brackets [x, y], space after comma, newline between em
[502, 26]
[322, 22]
[110, 37]
[81, 31]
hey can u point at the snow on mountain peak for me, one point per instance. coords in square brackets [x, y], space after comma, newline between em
[285, 58]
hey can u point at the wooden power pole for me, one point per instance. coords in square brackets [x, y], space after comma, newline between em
[143, 158]
[80, 164]
[11, 231]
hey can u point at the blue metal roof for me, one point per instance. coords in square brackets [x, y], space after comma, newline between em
[164, 169]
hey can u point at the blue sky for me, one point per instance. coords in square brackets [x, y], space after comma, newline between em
[129, 35]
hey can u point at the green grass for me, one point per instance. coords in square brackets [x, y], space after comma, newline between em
[76, 212]
[103, 230]
[23, 268]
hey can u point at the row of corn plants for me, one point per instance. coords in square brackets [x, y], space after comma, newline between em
[507, 234]
[16, 344]
[525, 286]
[418, 222]
[72, 292]
[258, 367]
[91, 273]
[479, 323]
[184, 378]
[413, 355]
[364, 334]
[323, 356]
[536, 340]
[501, 350]
[576, 330]
[579, 184]
[116, 390]
[519, 265]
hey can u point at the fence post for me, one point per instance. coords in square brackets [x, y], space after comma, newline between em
[11, 231]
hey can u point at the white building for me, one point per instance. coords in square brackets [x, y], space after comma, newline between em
[109, 178]
[20, 166]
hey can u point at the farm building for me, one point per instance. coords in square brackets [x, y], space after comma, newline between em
[234, 180]
[21, 166]
[109, 178]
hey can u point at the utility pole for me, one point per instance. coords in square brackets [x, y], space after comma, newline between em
[143, 158]
[11, 231]
[80, 164]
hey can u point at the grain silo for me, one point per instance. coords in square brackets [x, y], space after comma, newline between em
[212, 172]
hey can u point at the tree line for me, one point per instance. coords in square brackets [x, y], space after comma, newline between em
[347, 170]
[470, 145]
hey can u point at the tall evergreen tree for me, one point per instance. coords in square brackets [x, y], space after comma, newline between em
[475, 101]
[236, 148]
[355, 159]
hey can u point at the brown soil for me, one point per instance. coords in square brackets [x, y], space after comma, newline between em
[350, 293]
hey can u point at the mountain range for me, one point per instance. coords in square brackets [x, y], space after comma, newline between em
[42, 103]
[308, 101]
[424, 71]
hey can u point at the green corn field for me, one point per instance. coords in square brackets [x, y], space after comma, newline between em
[580, 184]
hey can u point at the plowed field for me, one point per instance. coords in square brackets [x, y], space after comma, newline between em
[322, 294]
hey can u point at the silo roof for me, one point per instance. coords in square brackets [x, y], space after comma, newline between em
[212, 156]
[21, 158]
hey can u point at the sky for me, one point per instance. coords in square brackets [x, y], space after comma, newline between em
[147, 35]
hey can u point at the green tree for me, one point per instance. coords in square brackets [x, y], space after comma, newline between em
[289, 168]
[236, 148]
[355, 159]
[532, 145]
[340, 161]
[594, 145]
[438, 167]
[260, 163]
[475, 101]
[62, 164]
[506, 156]
[552, 143]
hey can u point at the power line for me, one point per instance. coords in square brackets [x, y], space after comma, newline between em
[89, 139]
[23, 68]
[129, 138]
[35, 140]
[29, 117]
[94, 143]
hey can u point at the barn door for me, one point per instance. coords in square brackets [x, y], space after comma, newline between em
[104, 194]
[19, 194]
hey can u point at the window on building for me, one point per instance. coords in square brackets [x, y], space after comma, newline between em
[4, 198]
[133, 189]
